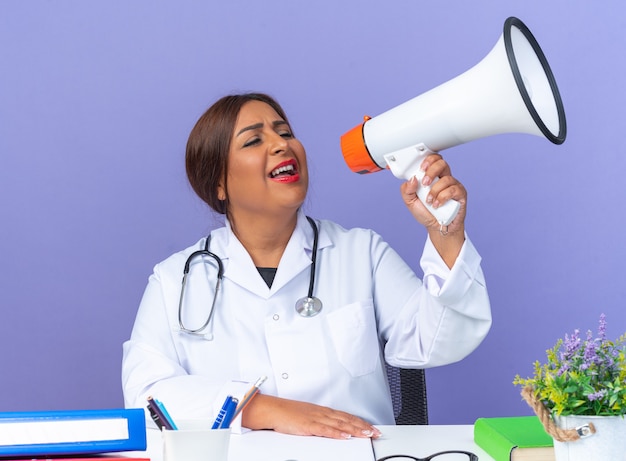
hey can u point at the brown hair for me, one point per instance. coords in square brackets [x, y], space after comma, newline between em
[206, 158]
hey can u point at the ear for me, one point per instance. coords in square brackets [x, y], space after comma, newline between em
[221, 191]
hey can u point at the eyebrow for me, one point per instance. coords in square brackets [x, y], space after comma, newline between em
[256, 126]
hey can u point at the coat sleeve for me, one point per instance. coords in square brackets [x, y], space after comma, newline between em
[446, 317]
[151, 366]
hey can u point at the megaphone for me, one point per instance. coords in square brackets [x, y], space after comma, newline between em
[512, 90]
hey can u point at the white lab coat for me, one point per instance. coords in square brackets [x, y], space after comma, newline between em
[374, 308]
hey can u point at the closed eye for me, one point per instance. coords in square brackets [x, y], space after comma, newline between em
[252, 142]
[283, 129]
[257, 140]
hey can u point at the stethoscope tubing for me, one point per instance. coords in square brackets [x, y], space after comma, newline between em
[310, 300]
[313, 255]
[218, 282]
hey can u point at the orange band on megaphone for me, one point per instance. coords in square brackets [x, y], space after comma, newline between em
[355, 151]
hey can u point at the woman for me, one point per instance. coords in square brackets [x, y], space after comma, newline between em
[325, 372]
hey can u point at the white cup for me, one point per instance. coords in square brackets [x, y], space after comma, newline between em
[195, 441]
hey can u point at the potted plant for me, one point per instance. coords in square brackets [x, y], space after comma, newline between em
[579, 394]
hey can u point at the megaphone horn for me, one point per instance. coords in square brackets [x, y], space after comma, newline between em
[512, 90]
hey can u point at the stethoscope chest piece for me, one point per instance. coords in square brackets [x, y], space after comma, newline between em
[308, 306]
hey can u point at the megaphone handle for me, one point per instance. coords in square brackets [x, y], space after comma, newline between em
[445, 213]
[405, 164]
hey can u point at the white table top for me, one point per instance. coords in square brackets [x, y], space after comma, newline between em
[421, 441]
[418, 441]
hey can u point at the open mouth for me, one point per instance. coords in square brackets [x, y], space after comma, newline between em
[285, 169]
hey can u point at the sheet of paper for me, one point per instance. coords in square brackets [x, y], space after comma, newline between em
[273, 446]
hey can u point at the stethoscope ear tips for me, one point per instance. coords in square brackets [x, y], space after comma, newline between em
[308, 306]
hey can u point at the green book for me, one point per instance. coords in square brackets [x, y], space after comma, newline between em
[515, 438]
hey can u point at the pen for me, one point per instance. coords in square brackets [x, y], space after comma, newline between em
[165, 413]
[158, 416]
[248, 397]
[222, 413]
[230, 413]
[155, 418]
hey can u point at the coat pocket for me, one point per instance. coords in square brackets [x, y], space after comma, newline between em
[355, 338]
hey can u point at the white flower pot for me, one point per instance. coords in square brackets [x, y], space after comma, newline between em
[607, 444]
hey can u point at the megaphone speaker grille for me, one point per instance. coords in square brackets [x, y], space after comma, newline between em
[535, 80]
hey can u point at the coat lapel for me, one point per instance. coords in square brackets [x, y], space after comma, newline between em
[240, 269]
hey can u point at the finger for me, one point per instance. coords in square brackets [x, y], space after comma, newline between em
[341, 429]
[344, 425]
[454, 192]
[409, 190]
[434, 167]
[357, 427]
[445, 189]
[441, 184]
[429, 160]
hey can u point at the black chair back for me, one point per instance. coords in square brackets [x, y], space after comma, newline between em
[408, 394]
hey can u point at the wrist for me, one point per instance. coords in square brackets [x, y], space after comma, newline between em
[447, 243]
[258, 413]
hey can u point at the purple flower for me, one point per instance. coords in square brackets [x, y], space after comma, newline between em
[602, 327]
[590, 356]
[572, 343]
[596, 395]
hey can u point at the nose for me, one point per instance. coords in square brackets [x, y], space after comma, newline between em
[278, 145]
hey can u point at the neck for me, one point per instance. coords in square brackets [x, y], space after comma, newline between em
[264, 238]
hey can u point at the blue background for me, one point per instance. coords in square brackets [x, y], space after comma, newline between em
[97, 99]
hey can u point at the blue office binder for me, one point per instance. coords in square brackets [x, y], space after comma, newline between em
[71, 432]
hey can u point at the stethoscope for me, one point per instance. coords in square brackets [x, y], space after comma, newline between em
[309, 306]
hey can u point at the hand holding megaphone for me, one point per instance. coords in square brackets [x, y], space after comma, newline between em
[406, 164]
[512, 90]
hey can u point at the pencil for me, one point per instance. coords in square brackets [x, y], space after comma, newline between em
[249, 396]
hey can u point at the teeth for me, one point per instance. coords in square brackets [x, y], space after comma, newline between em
[282, 169]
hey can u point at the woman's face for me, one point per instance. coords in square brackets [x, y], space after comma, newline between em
[267, 170]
